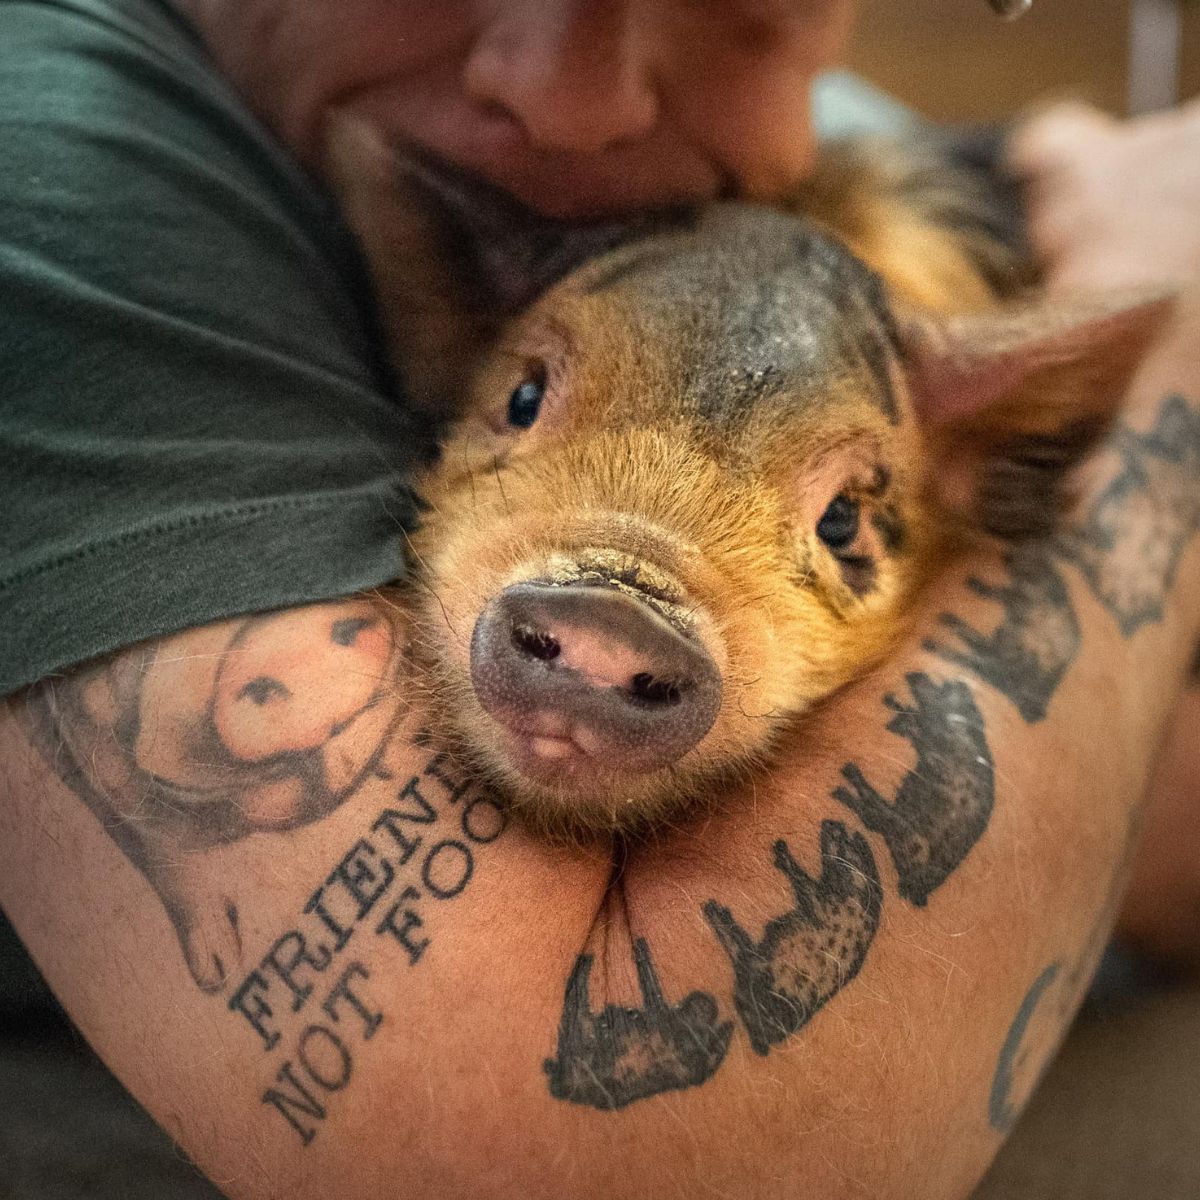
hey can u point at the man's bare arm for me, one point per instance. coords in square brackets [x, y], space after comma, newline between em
[318, 954]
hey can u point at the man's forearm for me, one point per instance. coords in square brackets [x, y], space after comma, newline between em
[350, 974]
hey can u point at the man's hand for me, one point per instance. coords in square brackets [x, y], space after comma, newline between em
[1113, 203]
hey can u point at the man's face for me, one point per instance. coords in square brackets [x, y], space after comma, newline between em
[575, 106]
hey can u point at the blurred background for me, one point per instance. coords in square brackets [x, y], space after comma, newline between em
[1123, 55]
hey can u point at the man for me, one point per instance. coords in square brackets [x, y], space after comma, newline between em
[382, 990]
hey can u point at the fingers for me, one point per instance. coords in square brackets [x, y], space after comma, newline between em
[1061, 154]
[1112, 203]
[1058, 136]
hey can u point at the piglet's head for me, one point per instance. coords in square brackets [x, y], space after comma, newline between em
[696, 471]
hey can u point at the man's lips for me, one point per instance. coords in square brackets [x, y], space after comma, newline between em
[624, 179]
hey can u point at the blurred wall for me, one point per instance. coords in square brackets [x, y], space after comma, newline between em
[1191, 49]
[953, 60]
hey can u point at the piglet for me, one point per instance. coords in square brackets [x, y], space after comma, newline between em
[696, 467]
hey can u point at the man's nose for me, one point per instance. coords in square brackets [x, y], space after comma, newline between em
[576, 74]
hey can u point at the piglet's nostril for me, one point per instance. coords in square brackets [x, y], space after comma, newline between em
[535, 643]
[598, 667]
[663, 693]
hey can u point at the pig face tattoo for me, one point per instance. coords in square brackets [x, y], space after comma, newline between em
[697, 466]
[219, 733]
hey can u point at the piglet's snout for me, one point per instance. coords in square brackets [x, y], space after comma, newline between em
[592, 670]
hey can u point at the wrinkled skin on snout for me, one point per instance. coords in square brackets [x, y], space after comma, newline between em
[692, 485]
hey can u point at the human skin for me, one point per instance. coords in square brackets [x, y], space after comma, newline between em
[917, 1035]
[898, 1080]
[575, 106]
[581, 107]
[1117, 204]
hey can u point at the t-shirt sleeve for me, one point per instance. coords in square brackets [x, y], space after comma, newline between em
[195, 417]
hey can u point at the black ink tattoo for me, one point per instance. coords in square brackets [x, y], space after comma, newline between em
[609, 1059]
[1131, 541]
[214, 735]
[1054, 997]
[1052, 1000]
[323, 1062]
[1002, 1106]
[809, 953]
[1127, 546]
[943, 804]
[414, 854]
[1026, 656]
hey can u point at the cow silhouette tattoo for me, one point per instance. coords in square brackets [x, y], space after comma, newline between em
[1029, 652]
[247, 737]
[1130, 545]
[809, 953]
[610, 1059]
[943, 804]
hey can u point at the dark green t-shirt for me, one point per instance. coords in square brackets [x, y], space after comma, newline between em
[196, 420]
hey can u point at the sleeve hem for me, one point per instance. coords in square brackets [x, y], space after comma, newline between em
[157, 580]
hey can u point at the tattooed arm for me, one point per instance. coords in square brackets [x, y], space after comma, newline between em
[911, 911]
[276, 910]
[1117, 203]
[312, 947]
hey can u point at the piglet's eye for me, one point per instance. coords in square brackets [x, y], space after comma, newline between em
[525, 403]
[838, 526]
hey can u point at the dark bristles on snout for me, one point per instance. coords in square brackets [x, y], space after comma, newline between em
[594, 670]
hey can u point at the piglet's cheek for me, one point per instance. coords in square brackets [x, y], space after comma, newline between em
[271, 701]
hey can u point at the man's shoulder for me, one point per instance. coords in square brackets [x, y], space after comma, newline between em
[198, 420]
[151, 26]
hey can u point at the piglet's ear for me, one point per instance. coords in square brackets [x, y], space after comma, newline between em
[452, 256]
[434, 322]
[1013, 398]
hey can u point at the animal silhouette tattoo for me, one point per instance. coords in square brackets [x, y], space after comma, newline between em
[610, 1059]
[1026, 656]
[943, 804]
[809, 953]
[1127, 545]
[1130, 543]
